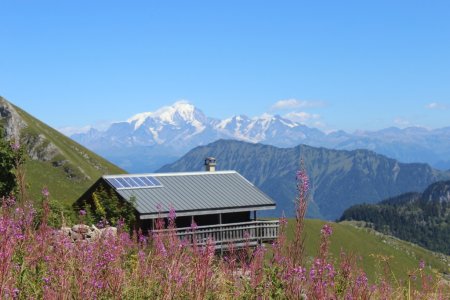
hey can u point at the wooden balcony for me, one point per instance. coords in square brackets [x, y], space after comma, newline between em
[224, 235]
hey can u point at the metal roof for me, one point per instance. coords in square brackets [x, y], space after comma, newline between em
[195, 193]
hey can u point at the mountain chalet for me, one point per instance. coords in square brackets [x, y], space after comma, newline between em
[221, 204]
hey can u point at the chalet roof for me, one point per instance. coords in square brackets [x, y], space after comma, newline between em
[194, 193]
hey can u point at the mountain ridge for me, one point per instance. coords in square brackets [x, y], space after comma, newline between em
[175, 129]
[347, 177]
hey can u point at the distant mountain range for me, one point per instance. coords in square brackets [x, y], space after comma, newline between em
[422, 218]
[55, 161]
[339, 178]
[149, 140]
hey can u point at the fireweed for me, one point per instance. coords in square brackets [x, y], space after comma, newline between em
[41, 263]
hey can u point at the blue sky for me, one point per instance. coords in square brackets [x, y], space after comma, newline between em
[348, 65]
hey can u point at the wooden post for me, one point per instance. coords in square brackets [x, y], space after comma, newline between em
[193, 234]
[257, 229]
[221, 234]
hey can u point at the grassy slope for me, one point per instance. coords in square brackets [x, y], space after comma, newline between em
[370, 246]
[81, 166]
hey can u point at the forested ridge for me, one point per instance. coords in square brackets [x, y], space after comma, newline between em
[422, 218]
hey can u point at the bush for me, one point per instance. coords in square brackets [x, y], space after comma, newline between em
[107, 208]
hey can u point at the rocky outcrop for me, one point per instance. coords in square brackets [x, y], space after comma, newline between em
[81, 232]
[10, 119]
[37, 145]
[39, 148]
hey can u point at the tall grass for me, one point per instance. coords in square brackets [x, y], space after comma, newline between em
[39, 262]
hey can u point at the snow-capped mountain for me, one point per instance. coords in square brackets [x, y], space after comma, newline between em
[148, 140]
[182, 125]
[268, 129]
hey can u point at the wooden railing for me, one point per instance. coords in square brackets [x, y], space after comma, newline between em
[224, 235]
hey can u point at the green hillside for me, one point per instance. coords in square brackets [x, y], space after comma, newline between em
[372, 247]
[55, 161]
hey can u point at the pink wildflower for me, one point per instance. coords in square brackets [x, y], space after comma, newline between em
[327, 230]
[194, 226]
[172, 214]
[16, 292]
[421, 265]
[15, 146]
[303, 180]
[45, 192]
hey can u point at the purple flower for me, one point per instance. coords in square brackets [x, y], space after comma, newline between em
[194, 226]
[10, 201]
[16, 292]
[326, 230]
[15, 146]
[299, 272]
[82, 212]
[172, 214]
[421, 265]
[142, 239]
[45, 192]
[303, 180]
[161, 249]
[312, 274]
[361, 280]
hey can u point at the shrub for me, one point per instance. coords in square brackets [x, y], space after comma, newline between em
[107, 208]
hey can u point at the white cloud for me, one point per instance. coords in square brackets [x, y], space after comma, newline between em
[71, 130]
[68, 131]
[436, 105]
[320, 124]
[400, 122]
[294, 103]
[302, 117]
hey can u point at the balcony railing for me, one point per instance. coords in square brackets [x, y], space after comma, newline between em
[223, 235]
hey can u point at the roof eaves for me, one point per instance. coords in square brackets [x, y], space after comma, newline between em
[170, 174]
[207, 211]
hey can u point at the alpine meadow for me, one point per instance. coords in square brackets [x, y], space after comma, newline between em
[225, 150]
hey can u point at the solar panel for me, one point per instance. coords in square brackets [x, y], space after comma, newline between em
[154, 180]
[146, 181]
[123, 182]
[127, 182]
[115, 183]
[139, 181]
[131, 182]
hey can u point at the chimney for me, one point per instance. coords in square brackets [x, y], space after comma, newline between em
[210, 164]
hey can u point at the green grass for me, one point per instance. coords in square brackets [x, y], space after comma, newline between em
[70, 172]
[369, 247]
